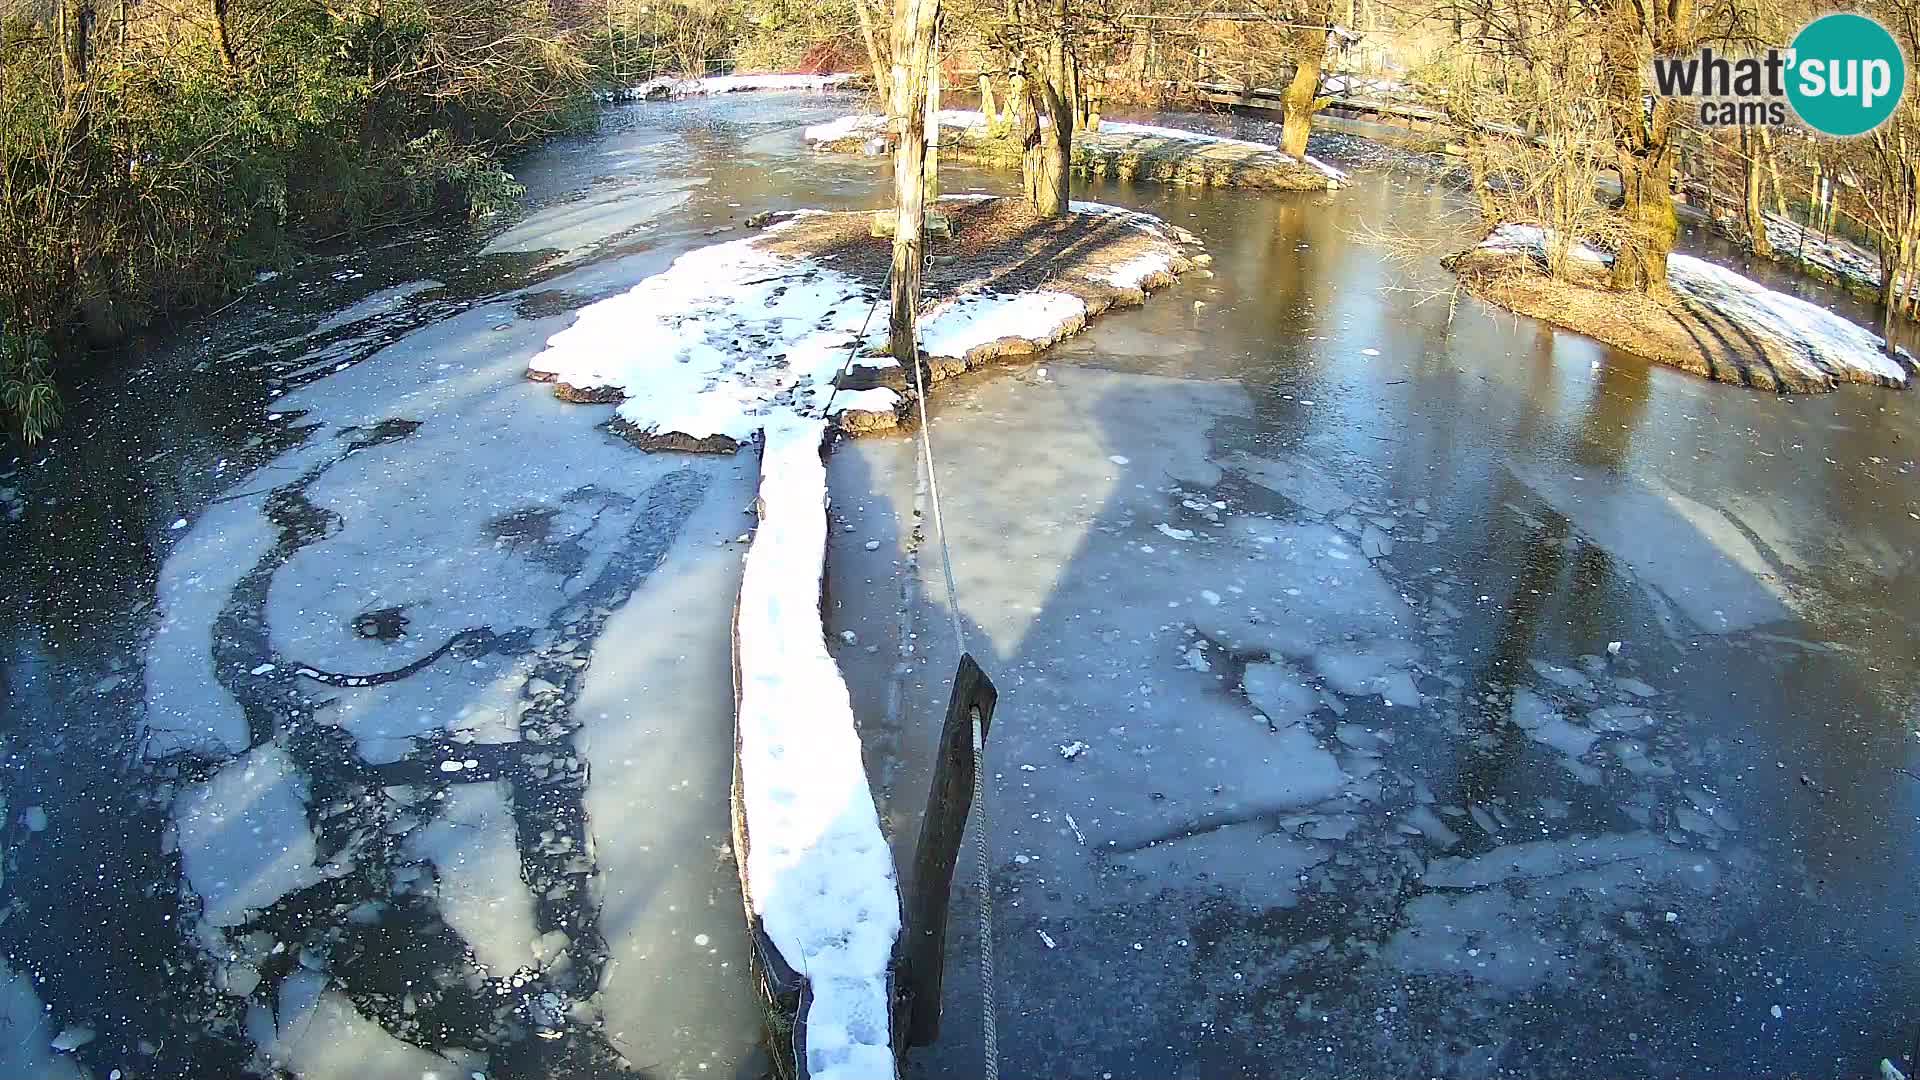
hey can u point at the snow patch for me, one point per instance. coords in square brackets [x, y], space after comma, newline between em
[724, 338]
[819, 872]
[873, 126]
[956, 328]
[319, 1035]
[674, 87]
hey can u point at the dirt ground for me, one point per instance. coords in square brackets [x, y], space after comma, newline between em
[1678, 331]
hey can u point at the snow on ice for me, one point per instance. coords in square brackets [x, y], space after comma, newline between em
[819, 871]
[317, 1034]
[473, 846]
[724, 337]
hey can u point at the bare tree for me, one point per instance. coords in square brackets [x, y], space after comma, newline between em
[1311, 28]
[1630, 33]
[914, 22]
[1046, 120]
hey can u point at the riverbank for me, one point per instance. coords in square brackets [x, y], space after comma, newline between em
[1118, 150]
[1717, 323]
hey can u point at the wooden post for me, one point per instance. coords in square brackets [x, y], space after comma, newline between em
[913, 24]
[941, 830]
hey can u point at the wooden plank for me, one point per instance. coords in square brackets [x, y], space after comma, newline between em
[941, 830]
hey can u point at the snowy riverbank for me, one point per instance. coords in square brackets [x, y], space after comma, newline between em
[1723, 324]
[1118, 149]
[786, 323]
[675, 86]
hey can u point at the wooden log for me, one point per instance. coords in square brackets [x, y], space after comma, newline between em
[948, 802]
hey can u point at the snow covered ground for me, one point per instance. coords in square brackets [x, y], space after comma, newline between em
[819, 874]
[1836, 254]
[735, 337]
[1818, 340]
[729, 336]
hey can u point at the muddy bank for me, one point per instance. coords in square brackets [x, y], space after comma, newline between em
[1714, 322]
[1117, 151]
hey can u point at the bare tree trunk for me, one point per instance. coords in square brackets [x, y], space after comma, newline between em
[1048, 152]
[912, 47]
[1021, 99]
[1310, 53]
[1482, 183]
[613, 49]
[1756, 216]
[987, 106]
[1643, 140]
[1651, 225]
[73, 26]
[1773, 171]
[881, 84]
[930, 168]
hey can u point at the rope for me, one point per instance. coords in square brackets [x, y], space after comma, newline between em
[983, 882]
[989, 1023]
[847, 364]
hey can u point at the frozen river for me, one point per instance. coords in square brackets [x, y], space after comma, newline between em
[1457, 698]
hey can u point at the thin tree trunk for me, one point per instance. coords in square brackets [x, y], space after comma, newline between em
[930, 167]
[987, 106]
[912, 47]
[1773, 171]
[881, 84]
[1482, 183]
[1756, 216]
[613, 49]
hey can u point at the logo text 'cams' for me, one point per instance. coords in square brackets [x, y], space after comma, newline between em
[1843, 75]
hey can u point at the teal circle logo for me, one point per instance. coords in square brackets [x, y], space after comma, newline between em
[1847, 75]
